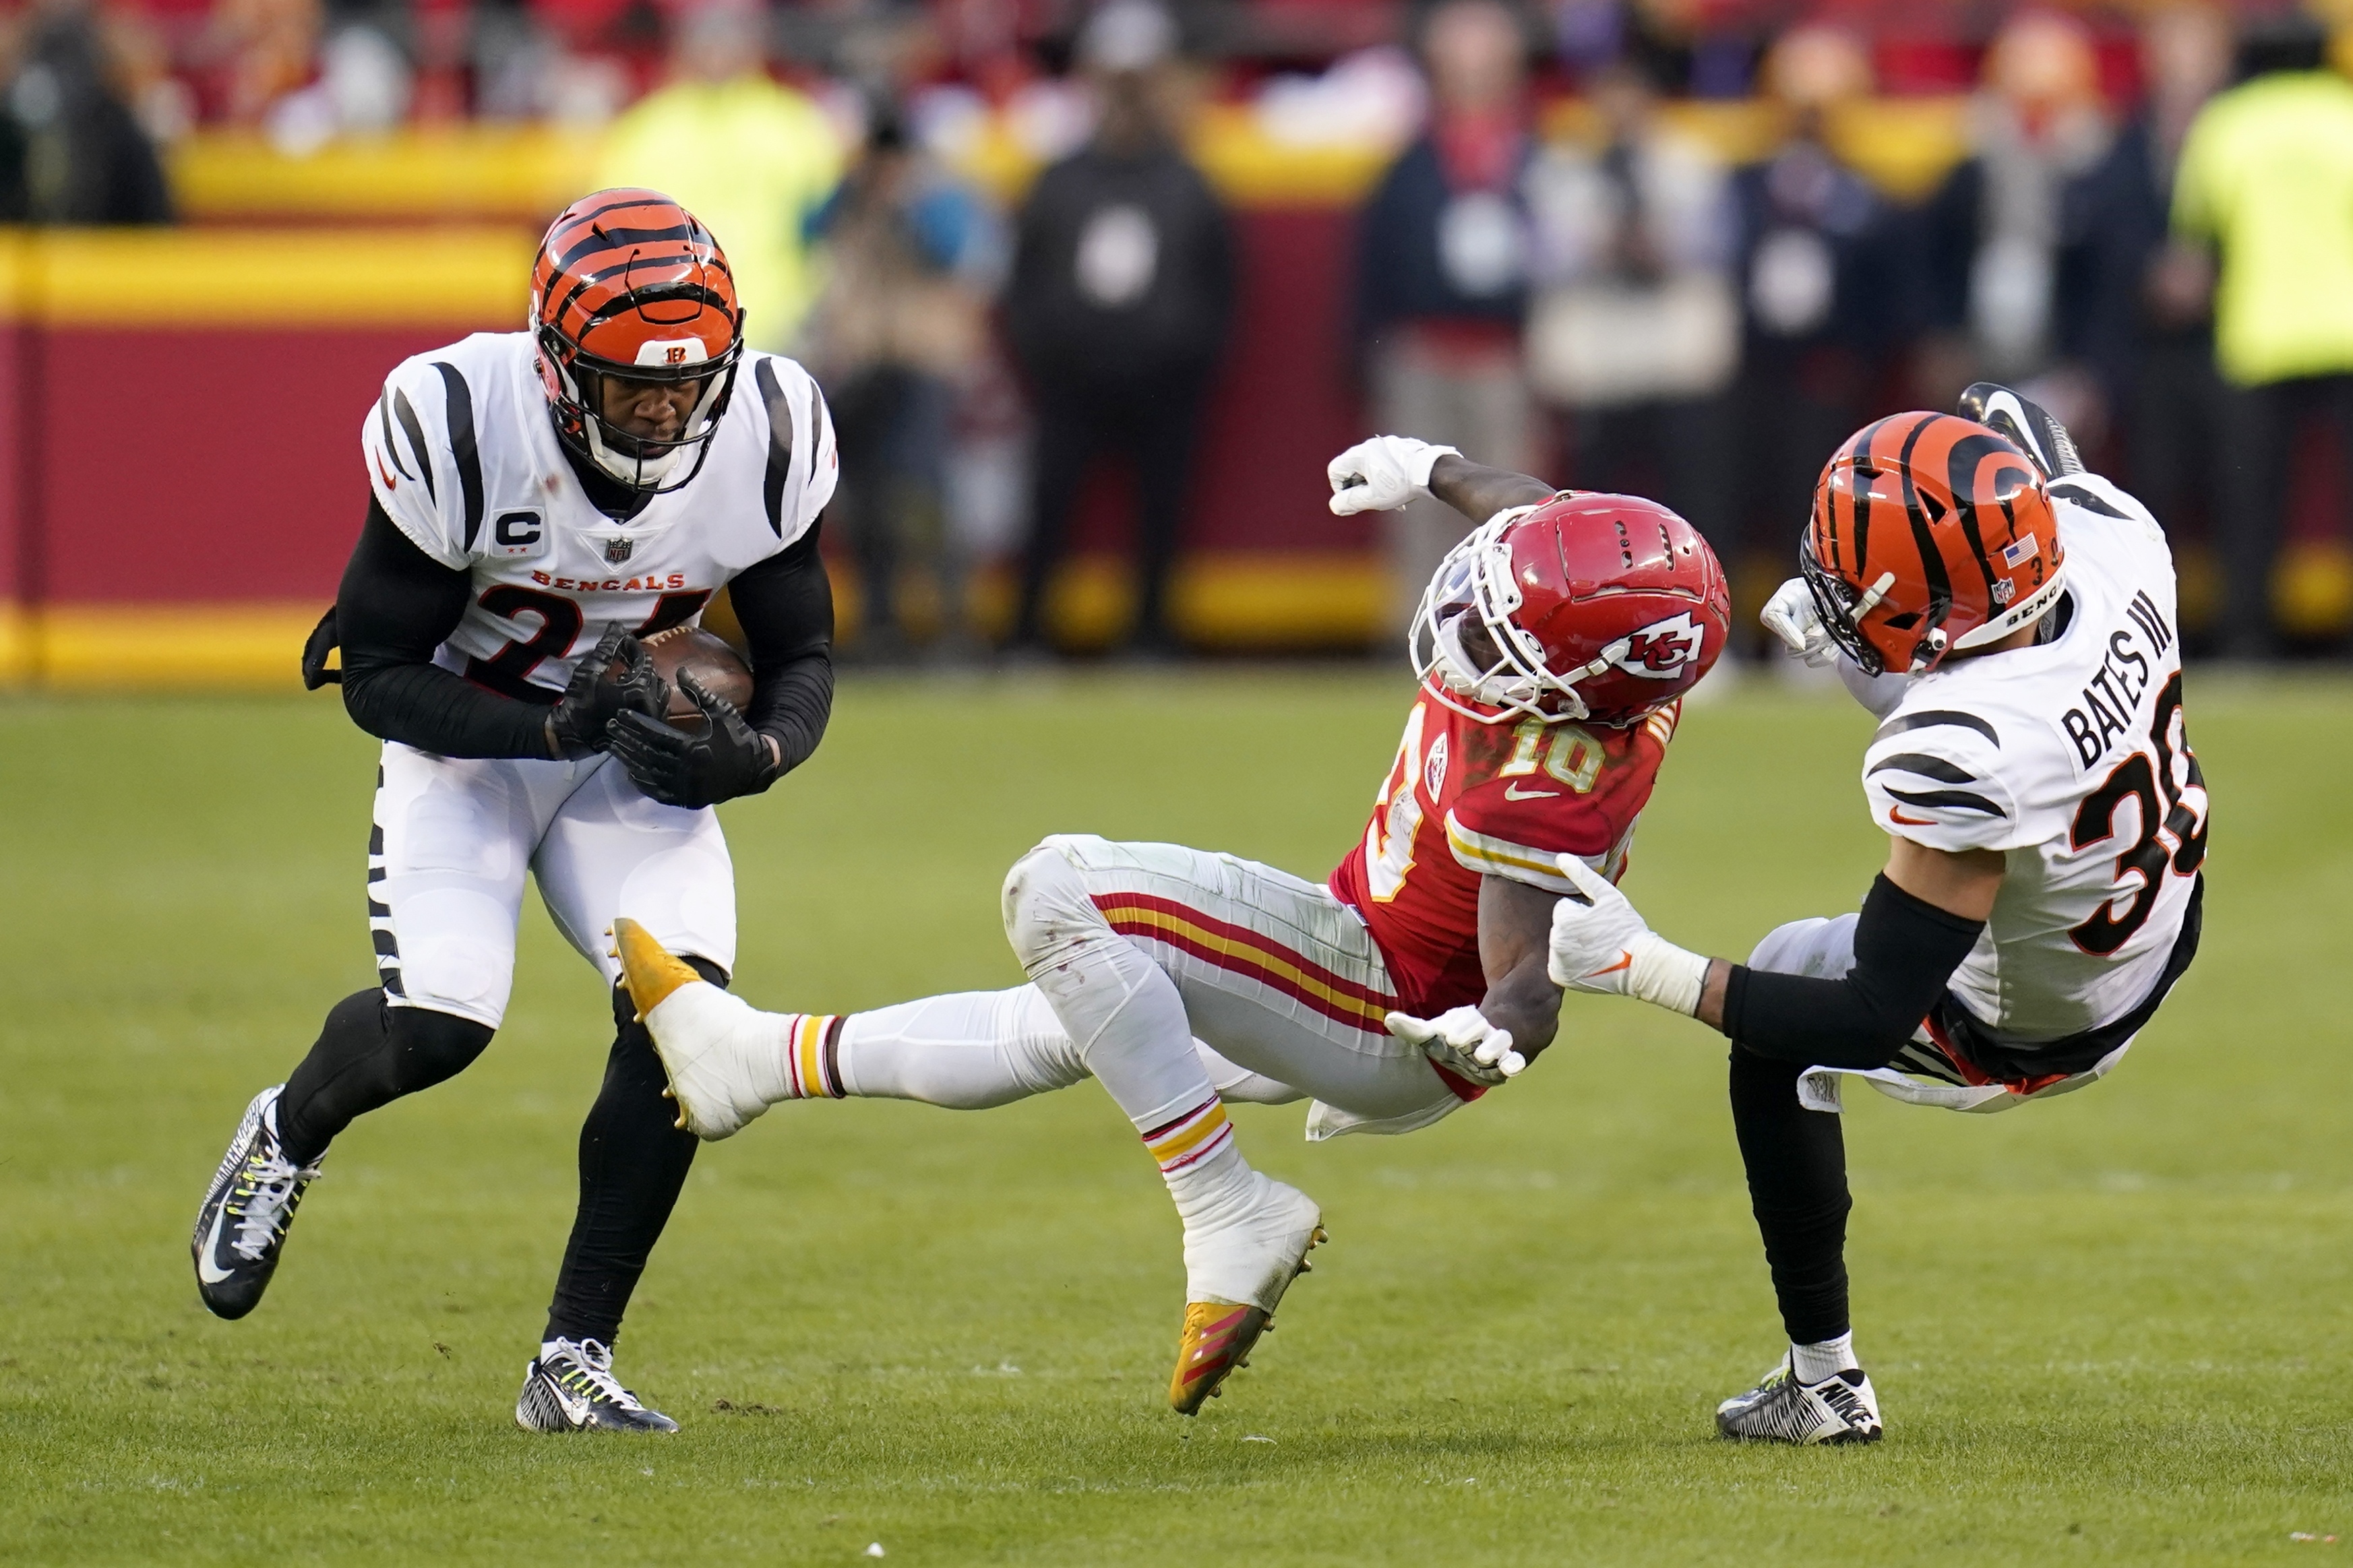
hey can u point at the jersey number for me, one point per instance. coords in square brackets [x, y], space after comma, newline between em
[2172, 828]
[1570, 755]
[508, 671]
[1397, 817]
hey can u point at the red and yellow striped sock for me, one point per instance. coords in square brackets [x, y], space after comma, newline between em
[812, 1044]
[1192, 1138]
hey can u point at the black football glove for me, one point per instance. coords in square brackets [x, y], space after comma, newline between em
[728, 758]
[315, 650]
[597, 696]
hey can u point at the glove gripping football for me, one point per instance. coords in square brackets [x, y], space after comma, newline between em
[727, 759]
[616, 677]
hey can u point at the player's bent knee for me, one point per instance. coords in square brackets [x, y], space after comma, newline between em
[431, 1046]
[1046, 906]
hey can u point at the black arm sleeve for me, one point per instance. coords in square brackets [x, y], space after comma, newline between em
[785, 605]
[1905, 952]
[395, 606]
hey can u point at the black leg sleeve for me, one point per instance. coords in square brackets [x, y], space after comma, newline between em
[369, 1054]
[1797, 1186]
[633, 1161]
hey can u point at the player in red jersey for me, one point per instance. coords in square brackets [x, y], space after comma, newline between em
[1552, 647]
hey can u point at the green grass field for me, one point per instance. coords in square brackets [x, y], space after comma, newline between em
[2113, 1328]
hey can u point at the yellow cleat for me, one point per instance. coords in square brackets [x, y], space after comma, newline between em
[648, 968]
[1217, 1340]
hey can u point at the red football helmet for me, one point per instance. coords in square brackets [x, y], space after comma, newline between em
[1590, 607]
[1930, 533]
[629, 284]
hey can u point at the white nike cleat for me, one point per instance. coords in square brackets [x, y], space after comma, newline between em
[717, 1049]
[570, 1387]
[1841, 1408]
[1236, 1272]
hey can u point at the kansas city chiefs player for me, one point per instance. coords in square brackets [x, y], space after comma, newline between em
[2010, 618]
[542, 500]
[1552, 647]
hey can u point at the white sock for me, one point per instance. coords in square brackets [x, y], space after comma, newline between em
[1813, 1363]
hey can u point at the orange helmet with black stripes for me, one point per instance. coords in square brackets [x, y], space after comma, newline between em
[629, 285]
[1930, 533]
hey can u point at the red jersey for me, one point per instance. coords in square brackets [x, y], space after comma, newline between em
[1466, 800]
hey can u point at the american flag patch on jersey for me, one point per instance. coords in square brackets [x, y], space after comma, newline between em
[2017, 555]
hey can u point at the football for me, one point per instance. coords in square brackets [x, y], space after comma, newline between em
[717, 669]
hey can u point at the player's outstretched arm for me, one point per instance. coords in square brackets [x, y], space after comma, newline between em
[1479, 492]
[1920, 919]
[1391, 472]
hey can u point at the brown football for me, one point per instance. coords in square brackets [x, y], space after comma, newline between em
[717, 669]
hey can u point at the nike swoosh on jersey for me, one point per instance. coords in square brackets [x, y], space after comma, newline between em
[206, 1269]
[1513, 792]
[1895, 813]
[389, 482]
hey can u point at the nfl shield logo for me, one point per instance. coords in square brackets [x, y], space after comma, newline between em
[618, 550]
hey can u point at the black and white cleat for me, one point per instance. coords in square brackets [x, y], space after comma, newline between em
[570, 1388]
[241, 1226]
[2025, 424]
[1842, 1408]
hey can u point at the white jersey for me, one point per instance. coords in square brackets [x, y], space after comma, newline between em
[2070, 758]
[465, 461]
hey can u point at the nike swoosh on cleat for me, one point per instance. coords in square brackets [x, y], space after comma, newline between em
[1513, 792]
[208, 1271]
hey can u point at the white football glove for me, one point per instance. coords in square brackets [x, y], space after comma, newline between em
[1382, 474]
[1791, 615]
[1462, 1041]
[1604, 947]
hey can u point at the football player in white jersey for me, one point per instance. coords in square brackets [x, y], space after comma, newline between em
[2010, 618]
[542, 501]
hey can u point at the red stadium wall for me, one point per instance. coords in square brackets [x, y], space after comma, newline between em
[182, 483]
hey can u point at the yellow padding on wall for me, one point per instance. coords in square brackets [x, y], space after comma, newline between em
[180, 648]
[277, 278]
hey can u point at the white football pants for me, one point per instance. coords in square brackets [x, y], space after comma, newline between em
[1282, 988]
[453, 838]
[1922, 1074]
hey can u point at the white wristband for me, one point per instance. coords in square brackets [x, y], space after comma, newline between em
[1424, 458]
[1666, 975]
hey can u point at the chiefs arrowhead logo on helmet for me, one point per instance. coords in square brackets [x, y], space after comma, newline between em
[1660, 649]
[1599, 607]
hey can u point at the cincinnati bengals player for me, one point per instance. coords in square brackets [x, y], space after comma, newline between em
[540, 502]
[2011, 619]
[1552, 647]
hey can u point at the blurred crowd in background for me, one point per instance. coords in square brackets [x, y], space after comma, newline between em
[2152, 231]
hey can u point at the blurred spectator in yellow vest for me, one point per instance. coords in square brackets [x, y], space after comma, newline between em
[1991, 234]
[2267, 181]
[1442, 277]
[752, 159]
